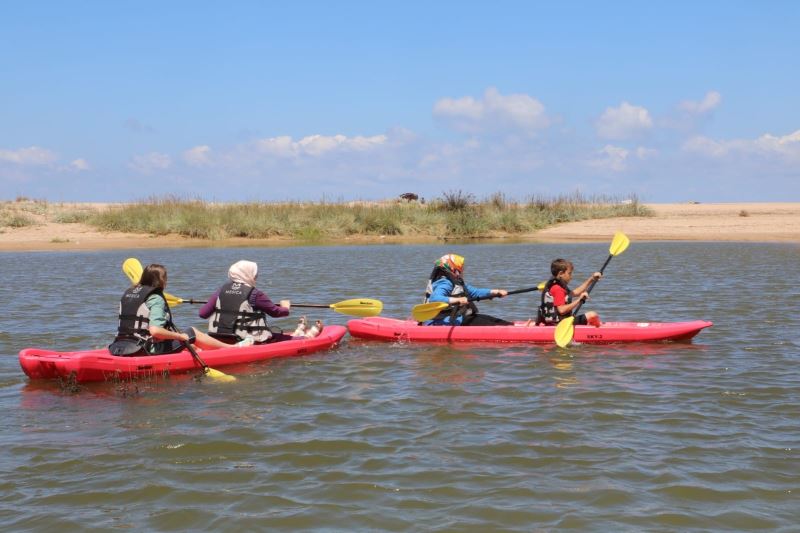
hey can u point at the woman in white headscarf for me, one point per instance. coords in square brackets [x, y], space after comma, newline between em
[238, 310]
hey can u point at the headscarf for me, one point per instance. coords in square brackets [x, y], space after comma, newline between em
[452, 263]
[243, 272]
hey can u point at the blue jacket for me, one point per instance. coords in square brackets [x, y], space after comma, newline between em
[442, 290]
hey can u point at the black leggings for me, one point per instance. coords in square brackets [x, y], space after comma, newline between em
[484, 320]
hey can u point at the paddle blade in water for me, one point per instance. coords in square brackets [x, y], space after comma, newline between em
[564, 331]
[619, 244]
[133, 269]
[423, 312]
[219, 376]
[358, 307]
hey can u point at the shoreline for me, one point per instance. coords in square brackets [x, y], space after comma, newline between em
[713, 222]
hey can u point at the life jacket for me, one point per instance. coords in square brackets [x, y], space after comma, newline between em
[234, 315]
[134, 320]
[458, 291]
[548, 314]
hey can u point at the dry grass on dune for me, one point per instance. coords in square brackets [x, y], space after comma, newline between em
[455, 214]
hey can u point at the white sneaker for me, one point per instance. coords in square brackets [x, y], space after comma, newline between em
[247, 341]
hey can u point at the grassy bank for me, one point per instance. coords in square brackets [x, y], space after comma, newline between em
[454, 215]
[24, 212]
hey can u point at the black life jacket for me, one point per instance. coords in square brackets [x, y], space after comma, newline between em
[234, 316]
[134, 320]
[548, 314]
[458, 291]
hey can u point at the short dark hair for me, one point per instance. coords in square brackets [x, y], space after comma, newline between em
[154, 276]
[560, 265]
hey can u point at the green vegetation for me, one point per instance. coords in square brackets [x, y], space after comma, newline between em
[26, 212]
[454, 215]
[73, 216]
[14, 215]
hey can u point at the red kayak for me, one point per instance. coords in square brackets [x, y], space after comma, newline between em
[390, 329]
[99, 365]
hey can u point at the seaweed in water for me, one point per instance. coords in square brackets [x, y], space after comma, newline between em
[70, 385]
[135, 385]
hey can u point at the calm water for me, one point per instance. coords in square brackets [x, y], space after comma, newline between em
[371, 436]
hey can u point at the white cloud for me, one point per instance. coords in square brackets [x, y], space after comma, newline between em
[79, 164]
[149, 163]
[198, 156]
[495, 112]
[611, 157]
[33, 156]
[317, 145]
[459, 108]
[787, 146]
[711, 100]
[616, 158]
[623, 122]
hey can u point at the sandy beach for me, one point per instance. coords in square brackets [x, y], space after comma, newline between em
[754, 222]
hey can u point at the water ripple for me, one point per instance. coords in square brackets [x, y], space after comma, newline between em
[407, 437]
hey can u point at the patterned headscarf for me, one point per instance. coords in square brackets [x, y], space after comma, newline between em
[243, 272]
[452, 263]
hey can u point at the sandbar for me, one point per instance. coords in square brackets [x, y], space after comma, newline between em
[746, 222]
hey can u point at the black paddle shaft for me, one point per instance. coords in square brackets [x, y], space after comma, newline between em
[591, 286]
[518, 291]
[458, 309]
[319, 306]
[194, 353]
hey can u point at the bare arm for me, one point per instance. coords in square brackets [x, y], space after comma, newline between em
[580, 289]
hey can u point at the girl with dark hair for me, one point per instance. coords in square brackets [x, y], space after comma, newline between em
[145, 320]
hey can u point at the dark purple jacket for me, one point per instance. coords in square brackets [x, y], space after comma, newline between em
[258, 300]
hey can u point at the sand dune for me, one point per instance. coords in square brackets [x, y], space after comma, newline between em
[767, 222]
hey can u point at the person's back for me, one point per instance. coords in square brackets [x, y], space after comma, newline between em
[145, 320]
[239, 310]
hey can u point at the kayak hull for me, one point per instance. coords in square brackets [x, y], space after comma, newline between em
[100, 365]
[390, 329]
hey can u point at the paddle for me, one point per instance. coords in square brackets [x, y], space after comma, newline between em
[207, 370]
[566, 327]
[423, 312]
[354, 307]
[133, 269]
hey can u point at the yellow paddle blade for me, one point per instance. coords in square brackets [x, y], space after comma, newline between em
[358, 307]
[423, 312]
[219, 376]
[564, 331]
[133, 269]
[619, 244]
[172, 300]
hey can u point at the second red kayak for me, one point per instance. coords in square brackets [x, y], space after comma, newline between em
[100, 365]
[390, 329]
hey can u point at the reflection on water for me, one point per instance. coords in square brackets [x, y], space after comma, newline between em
[565, 376]
[407, 436]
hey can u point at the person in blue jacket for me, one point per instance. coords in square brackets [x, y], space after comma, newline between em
[447, 285]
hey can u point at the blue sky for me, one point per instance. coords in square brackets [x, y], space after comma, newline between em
[678, 101]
